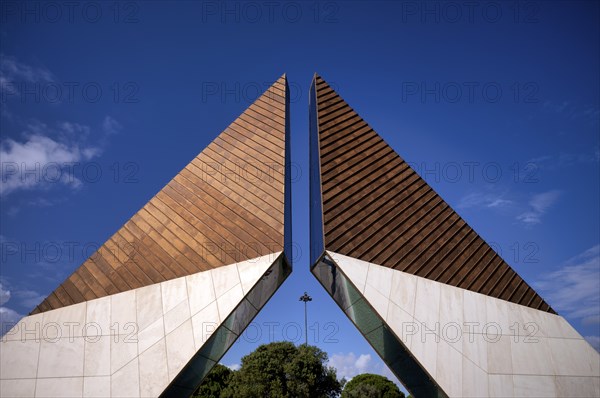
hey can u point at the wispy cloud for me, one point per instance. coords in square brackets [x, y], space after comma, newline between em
[538, 206]
[594, 342]
[572, 110]
[13, 71]
[28, 298]
[484, 200]
[111, 126]
[574, 289]
[563, 160]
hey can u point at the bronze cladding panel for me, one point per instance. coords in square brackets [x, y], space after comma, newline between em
[225, 206]
[378, 209]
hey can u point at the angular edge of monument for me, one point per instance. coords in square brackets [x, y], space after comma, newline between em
[403, 306]
[156, 337]
[465, 343]
[368, 203]
[163, 337]
[227, 205]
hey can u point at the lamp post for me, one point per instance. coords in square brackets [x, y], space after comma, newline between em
[306, 298]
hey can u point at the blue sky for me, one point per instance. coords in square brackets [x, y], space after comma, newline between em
[496, 105]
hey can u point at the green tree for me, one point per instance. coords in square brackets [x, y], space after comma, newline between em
[214, 383]
[368, 385]
[283, 370]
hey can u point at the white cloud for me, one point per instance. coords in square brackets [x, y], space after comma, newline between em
[8, 318]
[47, 155]
[538, 206]
[349, 365]
[234, 366]
[574, 289]
[4, 295]
[36, 162]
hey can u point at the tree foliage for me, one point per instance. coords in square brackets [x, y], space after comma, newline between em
[214, 383]
[369, 385]
[282, 370]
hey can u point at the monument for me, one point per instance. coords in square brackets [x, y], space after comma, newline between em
[162, 300]
[442, 309]
[158, 305]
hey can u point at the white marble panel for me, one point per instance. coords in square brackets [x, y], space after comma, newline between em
[571, 357]
[97, 321]
[402, 323]
[356, 270]
[229, 300]
[500, 386]
[123, 349]
[59, 387]
[403, 293]
[424, 346]
[71, 320]
[252, 270]
[534, 386]
[474, 350]
[97, 356]
[125, 383]
[499, 355]
[96, 387]
[174, 292]
[380, 278]
[176, 316]
[19, 388]
[377, 300]
[154, 373]
[62, 358]
[579, 387]
[19, 359]
[180, 348]
[427, 304]
[123, 312]
[474, 311]
[151, 335]
[148, 305]
[449, 369]
[531, 358]
[474, 380]
[225, 278]
[200, 290]
[204, 323]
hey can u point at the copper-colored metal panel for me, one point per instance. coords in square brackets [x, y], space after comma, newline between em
[376, 208]
[225, 206]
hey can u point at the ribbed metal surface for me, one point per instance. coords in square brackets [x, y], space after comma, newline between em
[377, 209]
[225, 206]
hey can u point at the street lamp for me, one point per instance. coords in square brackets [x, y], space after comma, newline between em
[306, 298]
